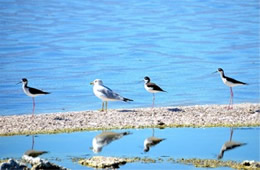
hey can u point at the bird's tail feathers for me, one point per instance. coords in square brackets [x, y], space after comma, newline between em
[126, 99]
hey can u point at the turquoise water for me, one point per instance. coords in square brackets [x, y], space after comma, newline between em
[180, 143]
[61, 46]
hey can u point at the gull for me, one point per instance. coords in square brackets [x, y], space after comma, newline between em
[32, 92]
[104, 139]
[152, 87]
[230, 82]
[106, 94]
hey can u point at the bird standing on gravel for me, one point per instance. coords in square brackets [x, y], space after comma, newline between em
[230, 83]
[152, 87]
[106, 94]
[32, 92]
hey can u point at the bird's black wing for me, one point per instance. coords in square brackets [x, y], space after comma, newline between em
[37, 91]
[235, 81]
[154, 87]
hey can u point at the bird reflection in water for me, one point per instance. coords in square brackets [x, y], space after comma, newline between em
[34, 153]
[229, 145]
[104, 139]
[151, 141]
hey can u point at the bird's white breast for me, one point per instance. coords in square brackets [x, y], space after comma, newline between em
[97, 91]
[150, 89]
[228, 83]
[27, 92]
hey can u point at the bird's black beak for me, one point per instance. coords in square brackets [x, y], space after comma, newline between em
[214, 72]
[18, 82]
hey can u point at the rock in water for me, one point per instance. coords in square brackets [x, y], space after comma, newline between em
[12, 164]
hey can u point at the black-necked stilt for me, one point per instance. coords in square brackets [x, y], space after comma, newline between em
[106, 94]
[230, 83]
[104, 139]
[152, 87]
[32, 92]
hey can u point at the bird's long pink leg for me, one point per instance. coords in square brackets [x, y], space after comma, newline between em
[33, 107]
[232, 95]
[153, 100]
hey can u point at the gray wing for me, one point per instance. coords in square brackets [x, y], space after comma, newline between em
[107, 137]
[110, 94]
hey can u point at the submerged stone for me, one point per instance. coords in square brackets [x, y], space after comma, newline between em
[13, 164]
[103, 162]
[111, 162]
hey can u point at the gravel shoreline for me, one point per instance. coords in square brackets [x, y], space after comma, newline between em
[243, 115]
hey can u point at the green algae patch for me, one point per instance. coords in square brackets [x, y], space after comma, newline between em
[3, 160]
[71, 130]
[115, 162]
[212, 163]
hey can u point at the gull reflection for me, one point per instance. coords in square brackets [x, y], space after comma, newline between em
[104, 139]
[229, 145]
[151, 141]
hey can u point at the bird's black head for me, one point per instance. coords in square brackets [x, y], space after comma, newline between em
[146, 79]
[220, 70]
[24, 80]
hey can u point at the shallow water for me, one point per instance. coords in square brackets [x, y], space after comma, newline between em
[180, 143]
[61, 46]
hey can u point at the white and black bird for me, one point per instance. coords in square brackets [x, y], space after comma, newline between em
[230, 82]
[32, 92]
[104, 139]
[106, 94]
[151, 141]
[152, 87]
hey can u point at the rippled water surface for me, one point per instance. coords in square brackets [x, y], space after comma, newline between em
[180, 143]
[61, 46]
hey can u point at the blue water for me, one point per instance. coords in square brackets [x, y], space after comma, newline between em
[61, 46]
[180, 143]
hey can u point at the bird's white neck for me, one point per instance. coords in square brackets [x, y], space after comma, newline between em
[222, 74]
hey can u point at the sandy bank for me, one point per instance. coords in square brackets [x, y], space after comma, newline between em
[180, 116]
